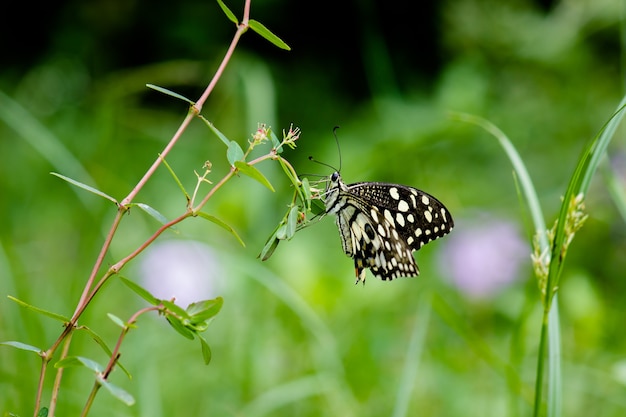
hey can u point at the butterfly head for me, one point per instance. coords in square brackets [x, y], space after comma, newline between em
[334, 187]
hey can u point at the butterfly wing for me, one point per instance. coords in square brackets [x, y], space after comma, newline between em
[417, 216]
[381, 224]
[373, 242]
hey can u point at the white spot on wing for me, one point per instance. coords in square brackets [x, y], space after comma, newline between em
[403, 206]
[393, 191]
[389, 217]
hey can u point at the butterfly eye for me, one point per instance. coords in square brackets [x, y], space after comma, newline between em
[334, 177]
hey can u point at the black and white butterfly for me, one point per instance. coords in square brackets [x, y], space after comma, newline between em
[381, 224]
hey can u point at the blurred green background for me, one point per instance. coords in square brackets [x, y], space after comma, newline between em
[295, 336]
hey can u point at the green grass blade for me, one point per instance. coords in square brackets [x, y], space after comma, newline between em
[618, 194]
[413, 356]
[555, 380]
[43, 141]
[532, 200]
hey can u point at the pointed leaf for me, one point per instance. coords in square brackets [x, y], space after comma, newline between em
[306, 190]
[85, 187]
[206, 350]
[116, 391]
[41, 310]
[217, 133]
[281, 233]
[153, 213]
[230, 15]
[72, 361]
[179, 327]
[142, 292]
[104, 347]
[173, 174]
[253, 173]
[221, 224]
[117, 320]
[22, 346]
[267, 34]
[204, 310]
[269, 248]
[169, 93]
[317, 206]
[292, 222]
[176, 309]
[275, 142]
[234, 153]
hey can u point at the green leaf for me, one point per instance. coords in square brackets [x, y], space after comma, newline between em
[230, 15]
[206, 350]
[292, 177]
[176, 309]
[306, 190]
[253, 173]
[276, 144]
[116, 391]
[204, 310]
[270, 247]
[153, 213]
[217, 133]
[43, 412]
[169, 93]
[22, 346]
[281, 233]
[104, 347]
[292, 222]
[317, 206]
[180, 327]
[117, 320]
[73, 361]
[142, 292]
[234, 152]
[173, 174]
[40, 310]
[267, 34]
[221, 224]
[85, 187]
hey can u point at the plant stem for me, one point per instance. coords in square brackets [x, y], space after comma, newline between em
[59, 376]
[543, 340]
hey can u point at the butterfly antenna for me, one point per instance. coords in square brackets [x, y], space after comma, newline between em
[338, 147]
[322, 163]
[338, 150]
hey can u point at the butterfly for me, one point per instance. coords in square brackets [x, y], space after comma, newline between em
[381, 224]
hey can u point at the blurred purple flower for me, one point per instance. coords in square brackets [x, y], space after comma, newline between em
[187, 270]
[484, 256]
